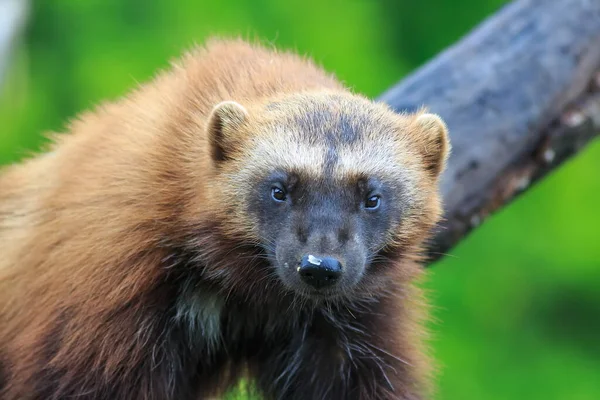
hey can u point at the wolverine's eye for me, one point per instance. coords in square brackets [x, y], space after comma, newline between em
[373, 202]
[278, 194]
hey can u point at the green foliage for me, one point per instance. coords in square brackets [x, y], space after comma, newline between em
[517, 304]
[243, 391]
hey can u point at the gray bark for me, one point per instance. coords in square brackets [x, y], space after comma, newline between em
[520, 94]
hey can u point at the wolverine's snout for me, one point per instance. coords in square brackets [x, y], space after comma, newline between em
[320, 272]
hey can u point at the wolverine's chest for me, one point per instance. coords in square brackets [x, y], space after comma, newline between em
[214, 324]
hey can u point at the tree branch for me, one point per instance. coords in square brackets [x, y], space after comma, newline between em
[520, 95]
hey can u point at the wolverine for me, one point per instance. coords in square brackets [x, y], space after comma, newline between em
[242, 216]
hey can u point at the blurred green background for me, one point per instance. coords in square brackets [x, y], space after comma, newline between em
[517, 304]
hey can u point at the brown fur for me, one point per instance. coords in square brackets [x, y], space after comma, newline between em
[99, 236]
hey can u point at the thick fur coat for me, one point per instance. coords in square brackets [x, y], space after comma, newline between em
[132, 264]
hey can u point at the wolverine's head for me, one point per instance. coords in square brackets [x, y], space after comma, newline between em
[327, 185]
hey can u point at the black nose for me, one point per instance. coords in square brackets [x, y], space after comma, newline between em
[320, 271]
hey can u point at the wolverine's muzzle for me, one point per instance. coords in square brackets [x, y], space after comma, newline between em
[320, 272]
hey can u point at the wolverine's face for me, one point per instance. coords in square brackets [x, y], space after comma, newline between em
[326, 182]
[322, 232]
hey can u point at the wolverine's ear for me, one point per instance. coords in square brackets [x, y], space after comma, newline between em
[432, 137]
[224, 122]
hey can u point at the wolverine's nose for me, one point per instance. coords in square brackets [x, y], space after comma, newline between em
[320, 272]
